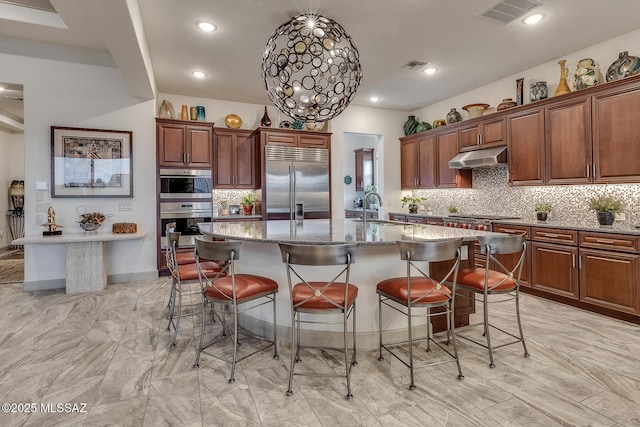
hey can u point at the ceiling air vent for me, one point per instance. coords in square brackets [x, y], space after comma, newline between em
[508, 10]
[14, 98]
[415, 65]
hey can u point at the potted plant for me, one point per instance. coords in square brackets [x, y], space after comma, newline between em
[412, 202]
[606, 208]
[224, 208]
[542, 210]
[453, 209]
[247, 203]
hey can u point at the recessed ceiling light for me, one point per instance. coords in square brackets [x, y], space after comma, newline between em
[206, 26]
[199, 74]
[533, 19]
[374, 99]
[430, 70]
[1, 89]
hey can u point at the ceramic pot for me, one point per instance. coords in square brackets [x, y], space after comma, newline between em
[410, 125]
[439, 123]
[453, 116]
[587, 74]
[563, 87]
[606, 218]
[247, 210]
[193, 113]
[16, 192]
[506, 103]
[475, 110]
[413, 208]
[625, 66]
[423, 126]
[200, 113]
[538, 91]
[265, 121]
[541, 216]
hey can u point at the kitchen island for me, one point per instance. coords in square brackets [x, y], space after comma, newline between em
[376, 259]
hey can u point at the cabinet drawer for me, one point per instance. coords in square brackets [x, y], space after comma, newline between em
[513, 229]
[433, 221]
[281, 139]
[415, 219]
[394, 217]
[614, 242]
[313, 141]
[566, 237]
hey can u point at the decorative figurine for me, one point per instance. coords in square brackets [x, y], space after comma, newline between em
[52, 227]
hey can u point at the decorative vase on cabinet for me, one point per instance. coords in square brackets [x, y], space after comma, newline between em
[506, 103]
[166, 110]
[410, 125]
[587, 74]
[625, 66]
[563, 87]
[266, 120]
[453, 116]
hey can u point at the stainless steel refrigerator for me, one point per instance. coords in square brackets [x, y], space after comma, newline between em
[297, 182]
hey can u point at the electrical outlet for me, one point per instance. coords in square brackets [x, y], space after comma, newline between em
[39, 196]
[126, 206]
[620, 216]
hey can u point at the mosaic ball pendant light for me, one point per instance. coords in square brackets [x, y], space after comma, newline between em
[311, 68]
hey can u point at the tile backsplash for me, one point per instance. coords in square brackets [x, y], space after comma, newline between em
[491, 195]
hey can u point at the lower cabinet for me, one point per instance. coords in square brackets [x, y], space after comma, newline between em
[555, 269]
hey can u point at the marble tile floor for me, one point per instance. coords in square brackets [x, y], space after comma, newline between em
[110, 351]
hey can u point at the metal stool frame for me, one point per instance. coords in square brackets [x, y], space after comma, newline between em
[208, 250]
[426, 251]
[492, 246]
[319, 256]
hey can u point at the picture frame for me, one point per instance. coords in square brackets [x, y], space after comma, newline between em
[520, 91]
[91, 162]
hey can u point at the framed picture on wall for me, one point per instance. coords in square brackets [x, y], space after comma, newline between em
[91, 162]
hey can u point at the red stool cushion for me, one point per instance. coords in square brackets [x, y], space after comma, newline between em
[185, 258]
[396, 288]
[247, 286]
[334, 292]
[474, 278]
[190, 271]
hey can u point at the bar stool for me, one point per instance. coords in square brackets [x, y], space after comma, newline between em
[313, 298]
[181, 258]
[231, 290]
[416, 294]
[498, 281]
[181, 274]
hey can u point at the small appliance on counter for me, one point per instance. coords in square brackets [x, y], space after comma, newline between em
[234, 209]
[357, 202]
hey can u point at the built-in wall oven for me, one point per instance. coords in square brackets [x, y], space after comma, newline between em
[185, 184]
[186, 216]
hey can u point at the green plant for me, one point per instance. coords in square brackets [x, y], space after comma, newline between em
[606, 204]
[453, 209]
[224, 204]
[542, 207]
[411, 200]
[248, 200]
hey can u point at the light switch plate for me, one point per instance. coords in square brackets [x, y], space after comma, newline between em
[39, 196]
[42, 185]
[126, 206]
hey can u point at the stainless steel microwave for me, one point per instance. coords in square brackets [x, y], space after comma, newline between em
[185, 184]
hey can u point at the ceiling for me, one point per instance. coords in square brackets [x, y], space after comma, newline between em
[469, 50]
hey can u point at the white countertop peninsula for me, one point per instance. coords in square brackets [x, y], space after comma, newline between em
[377, 258]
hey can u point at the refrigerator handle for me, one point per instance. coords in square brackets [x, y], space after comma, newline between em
[292, 192]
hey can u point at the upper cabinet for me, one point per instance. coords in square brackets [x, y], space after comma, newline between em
[365, 173]
[489, 132]
[424, 159]
[184, 144]
[236, 159]
[295, 138]
[525, 147]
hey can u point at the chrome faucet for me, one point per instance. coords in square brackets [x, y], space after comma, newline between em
[364, 208]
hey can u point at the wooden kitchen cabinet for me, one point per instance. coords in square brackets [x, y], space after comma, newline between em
[488, 133]
[616, 135]
[525, 147]
[295, 138]
[554, 261]
[396, 217]
[609, 266]
[365, 172]
[424, 161]
[235, 155]
[568, 154]
[184, 144]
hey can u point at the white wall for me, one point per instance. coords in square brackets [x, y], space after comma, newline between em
[76, 95]
[11, 168]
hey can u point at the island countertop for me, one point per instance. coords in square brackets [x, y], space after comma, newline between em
[333, 231]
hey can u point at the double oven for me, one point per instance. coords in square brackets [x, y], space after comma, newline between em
[185, 200]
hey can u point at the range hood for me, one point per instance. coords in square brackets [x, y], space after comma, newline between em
[477, 158]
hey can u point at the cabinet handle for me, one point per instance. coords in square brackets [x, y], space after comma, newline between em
[588, 171]
[573, 260]
[580, 262]
[481, 139]
[606, 241]
[477, 139]
[550, 235]
[509, 230]
[594, 171]
[184, 158]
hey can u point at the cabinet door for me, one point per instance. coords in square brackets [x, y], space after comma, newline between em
[245, 161]
[469, 137]
[568, 142]
[525, 147]
[171, 145]
[616, 136]
[408, 164]
[554, 269]
[427, 162]
[364, 168]
[313, 141]
[447, 150]
[396, 217]
[281, 139]
[609, 279]
[493, 133]
[223, 169]
[198, 146]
